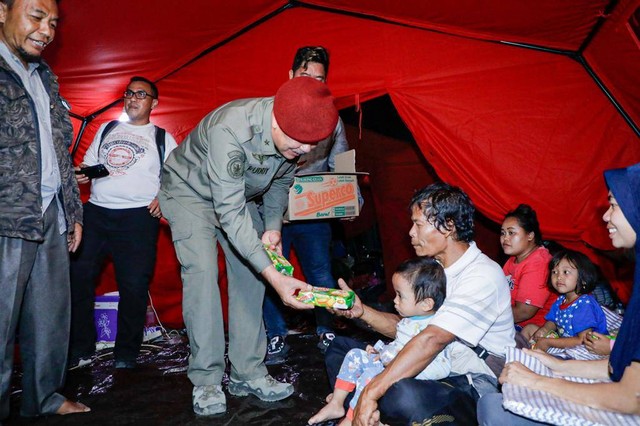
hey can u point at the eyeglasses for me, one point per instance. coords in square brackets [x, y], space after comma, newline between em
[140, 94]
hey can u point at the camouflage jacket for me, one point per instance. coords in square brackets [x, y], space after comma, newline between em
[20, 163]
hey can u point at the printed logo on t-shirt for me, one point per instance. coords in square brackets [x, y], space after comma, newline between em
[511, 282]
[121, 154]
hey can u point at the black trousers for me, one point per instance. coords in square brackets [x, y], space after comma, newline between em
[451, 401]
[130, 237]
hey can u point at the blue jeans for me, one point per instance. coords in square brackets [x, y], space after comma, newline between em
[312, 242]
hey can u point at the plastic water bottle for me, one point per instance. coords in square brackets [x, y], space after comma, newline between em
[389, 353]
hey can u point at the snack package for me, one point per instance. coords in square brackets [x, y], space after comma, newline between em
[328, 297]
[281, 264]
[550, 335]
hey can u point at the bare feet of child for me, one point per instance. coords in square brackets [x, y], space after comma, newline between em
[70, 407]
[328, 412]
[345, 422]
[328, 398]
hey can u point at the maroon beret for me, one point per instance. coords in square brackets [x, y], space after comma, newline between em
[304, 110]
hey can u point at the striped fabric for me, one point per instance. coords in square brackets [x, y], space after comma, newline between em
[614, 321]
[580, 352]
[542, 407]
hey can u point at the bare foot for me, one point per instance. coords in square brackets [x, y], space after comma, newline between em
[328, 412]
[345, 422]
[70, 407]
[329, 398]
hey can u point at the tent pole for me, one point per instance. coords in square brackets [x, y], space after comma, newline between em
[228, 39]
[83, 126]
[608, 94]
[578, 57]
[596, 27]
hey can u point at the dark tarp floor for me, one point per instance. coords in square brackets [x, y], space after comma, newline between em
[158, 392]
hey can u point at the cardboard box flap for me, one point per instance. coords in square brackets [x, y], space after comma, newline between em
[346, 162]
[345, 165]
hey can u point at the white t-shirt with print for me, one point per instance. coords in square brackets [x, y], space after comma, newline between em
[130, 154]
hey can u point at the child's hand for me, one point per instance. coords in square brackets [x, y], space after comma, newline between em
[373, 351]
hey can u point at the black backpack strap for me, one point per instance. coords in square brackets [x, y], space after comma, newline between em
[108, 128]
[160, 144]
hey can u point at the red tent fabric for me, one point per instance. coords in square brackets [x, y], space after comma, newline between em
[512, 101]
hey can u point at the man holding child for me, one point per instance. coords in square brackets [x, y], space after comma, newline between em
[476, 311]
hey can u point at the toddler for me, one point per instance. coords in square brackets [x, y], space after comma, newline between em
[420, 286]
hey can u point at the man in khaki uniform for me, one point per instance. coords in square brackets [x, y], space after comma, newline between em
[228, 183]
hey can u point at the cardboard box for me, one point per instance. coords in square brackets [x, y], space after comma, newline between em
[106, 321]
[326, 195]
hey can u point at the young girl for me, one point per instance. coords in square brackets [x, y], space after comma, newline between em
[575, 312]
[420, 290]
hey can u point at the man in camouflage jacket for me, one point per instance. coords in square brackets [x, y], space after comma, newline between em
[20, 199]
[40, 211]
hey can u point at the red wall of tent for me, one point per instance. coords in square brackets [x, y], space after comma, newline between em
[513, 101]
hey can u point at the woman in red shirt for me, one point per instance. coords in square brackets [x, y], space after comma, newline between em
[527, 269]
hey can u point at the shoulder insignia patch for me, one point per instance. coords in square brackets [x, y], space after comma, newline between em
[235, 166]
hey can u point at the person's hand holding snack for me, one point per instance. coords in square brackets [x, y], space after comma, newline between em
[273, 240]
[356, 311]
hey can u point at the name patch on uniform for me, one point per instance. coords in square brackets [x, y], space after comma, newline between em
[235, 166]
[258, 170]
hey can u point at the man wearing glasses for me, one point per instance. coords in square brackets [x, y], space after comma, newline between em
[121, 220]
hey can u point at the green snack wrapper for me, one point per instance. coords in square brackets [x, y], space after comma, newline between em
[328, 298]
[281, 264]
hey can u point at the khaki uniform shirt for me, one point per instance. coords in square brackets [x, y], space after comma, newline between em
[230, 159]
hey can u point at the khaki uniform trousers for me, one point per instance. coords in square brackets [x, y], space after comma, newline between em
[195, 239]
